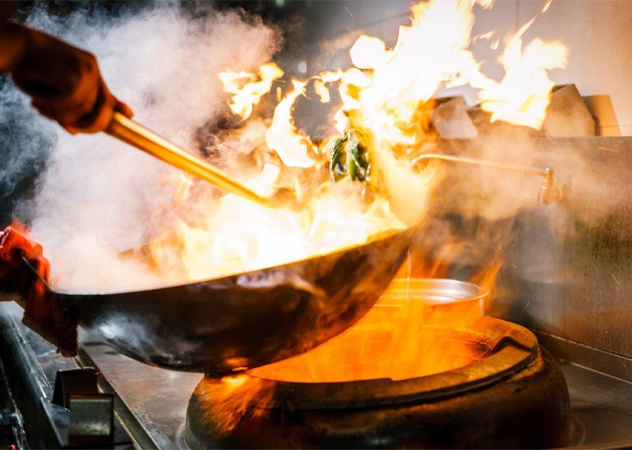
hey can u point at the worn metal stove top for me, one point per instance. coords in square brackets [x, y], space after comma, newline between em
[151, 403]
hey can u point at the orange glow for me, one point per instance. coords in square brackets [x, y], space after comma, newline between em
[400, 337]
[248, 89]
[231, 399]
[386, 101]
[403, 336]
[395, 340]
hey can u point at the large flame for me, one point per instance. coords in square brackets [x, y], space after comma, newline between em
[248, 89]
[523, 95]
[385, 105]
[402, 337]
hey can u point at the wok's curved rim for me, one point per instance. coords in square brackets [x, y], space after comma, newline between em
[376, 238]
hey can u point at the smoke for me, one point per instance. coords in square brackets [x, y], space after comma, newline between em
[98, 197]
[22, 159]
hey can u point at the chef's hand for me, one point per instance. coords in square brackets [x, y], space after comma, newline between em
[24, 273]
[64, 82]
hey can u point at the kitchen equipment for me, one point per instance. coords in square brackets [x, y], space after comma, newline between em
[437, 294]
[245, 320]
[549, 192]
[509, 394]
[146, 140]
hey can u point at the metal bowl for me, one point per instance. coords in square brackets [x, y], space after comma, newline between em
[437, 294]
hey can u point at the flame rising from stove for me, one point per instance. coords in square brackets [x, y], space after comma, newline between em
[386, 101]
[402, 337]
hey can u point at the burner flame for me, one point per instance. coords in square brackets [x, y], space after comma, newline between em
[385, 103]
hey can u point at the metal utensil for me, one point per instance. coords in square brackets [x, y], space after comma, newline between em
[146, 140]
[245, 320]
[438, 295]
[549, 191]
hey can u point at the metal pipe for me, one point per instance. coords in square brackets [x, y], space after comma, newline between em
[549, 193]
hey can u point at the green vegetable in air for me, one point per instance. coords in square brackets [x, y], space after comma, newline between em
[349, 158]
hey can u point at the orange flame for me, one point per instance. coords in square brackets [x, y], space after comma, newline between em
[397, 338]
[386, 100]
[248, 89]
[523, 95]
[293, 147]
[232, 399]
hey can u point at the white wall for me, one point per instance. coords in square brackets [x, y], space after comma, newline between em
[598, 33]
[599, 36]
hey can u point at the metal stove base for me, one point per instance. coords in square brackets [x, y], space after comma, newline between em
[29, 369]
[601, 405]
[151, 403]
[513, 396]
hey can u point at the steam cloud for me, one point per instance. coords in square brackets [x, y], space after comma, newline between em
[98, 197]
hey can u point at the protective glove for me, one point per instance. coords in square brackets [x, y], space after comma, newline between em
[41, 313]
[65, 84]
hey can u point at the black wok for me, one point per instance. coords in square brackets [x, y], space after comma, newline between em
[247, 320]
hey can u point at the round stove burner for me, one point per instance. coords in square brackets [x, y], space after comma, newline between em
[512, 394]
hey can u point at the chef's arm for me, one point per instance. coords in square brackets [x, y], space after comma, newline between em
[24, 275]
[63, 81]
[13, 39]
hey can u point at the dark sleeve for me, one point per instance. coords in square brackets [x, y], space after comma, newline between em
[7, 10]
[12, 36]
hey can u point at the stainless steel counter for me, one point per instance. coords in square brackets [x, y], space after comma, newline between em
[602, 405]
[151, 403]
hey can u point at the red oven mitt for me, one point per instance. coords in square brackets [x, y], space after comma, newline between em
[41, 314]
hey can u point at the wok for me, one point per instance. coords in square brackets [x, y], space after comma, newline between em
[246, 320]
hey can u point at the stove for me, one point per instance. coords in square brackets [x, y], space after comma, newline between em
[518, 397]
[558, 374]
[513, 395]
[570, 290]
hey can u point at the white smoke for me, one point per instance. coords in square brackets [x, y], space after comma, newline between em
[98, 197]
